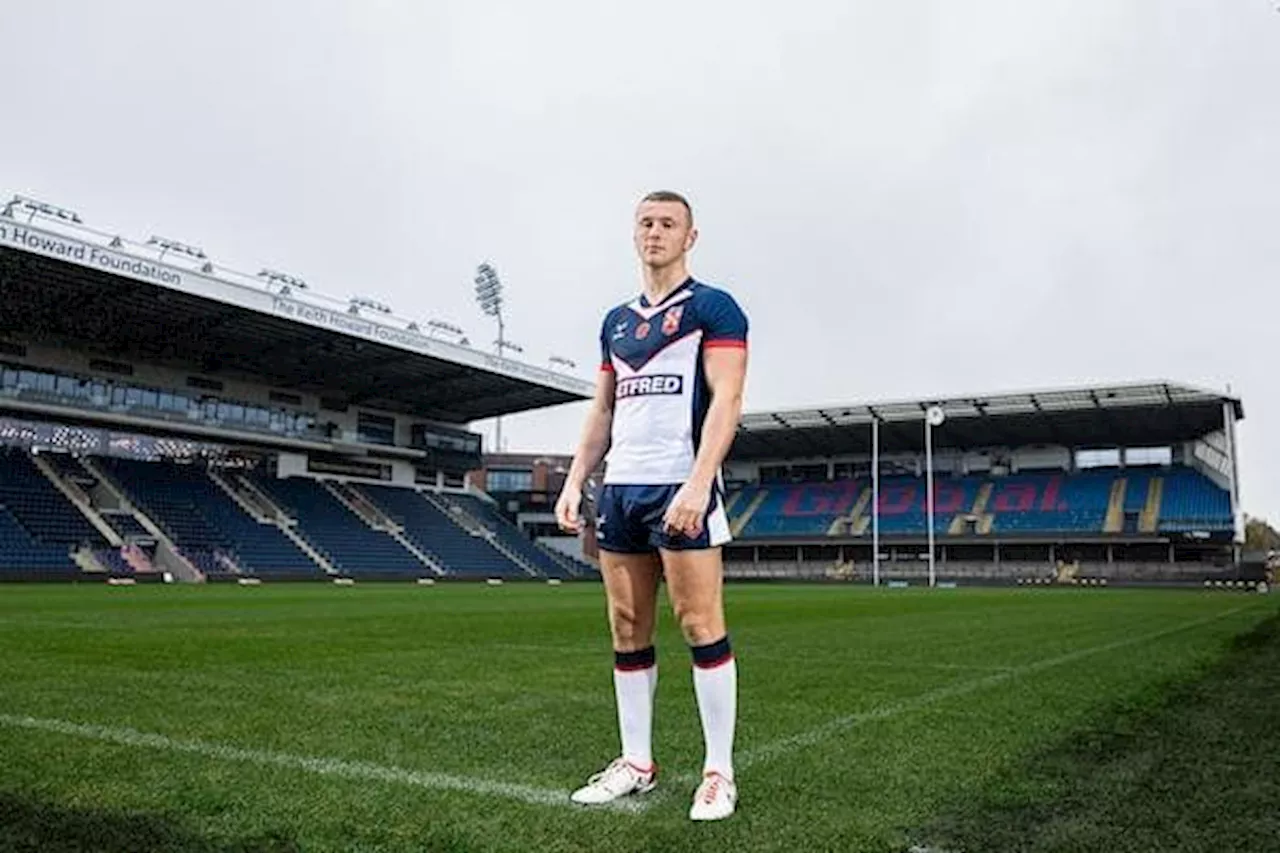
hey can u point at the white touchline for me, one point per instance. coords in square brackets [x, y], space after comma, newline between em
[546, 796]
[323, 766]
[817, 735]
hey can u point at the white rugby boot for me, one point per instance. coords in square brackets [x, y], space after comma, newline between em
[619, 779]
[716, 798]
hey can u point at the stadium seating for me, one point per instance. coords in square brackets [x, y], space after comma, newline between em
[67, 466]
[21, 554]
[428, 528]
[344, 539]
[113, 561]
[202, 520]
[39, 528]
[538, 557]
[37, 504]
[125, 525]
[1094, 502]
[1193, 502]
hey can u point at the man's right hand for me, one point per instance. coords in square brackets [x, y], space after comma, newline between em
[567, 514]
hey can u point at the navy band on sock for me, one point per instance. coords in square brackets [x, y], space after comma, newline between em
[712, 654]
[629, 661]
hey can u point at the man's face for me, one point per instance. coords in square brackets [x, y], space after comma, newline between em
[663, 232]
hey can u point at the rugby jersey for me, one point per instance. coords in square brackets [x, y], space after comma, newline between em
[661, 394]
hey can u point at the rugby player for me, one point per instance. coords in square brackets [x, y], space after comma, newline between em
[667, 401]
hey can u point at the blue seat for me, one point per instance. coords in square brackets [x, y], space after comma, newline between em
[203, 520]
[449, 545]
[352, 546]
[1027, 504]
[537, 556]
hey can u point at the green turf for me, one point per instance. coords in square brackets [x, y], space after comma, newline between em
[866, 716]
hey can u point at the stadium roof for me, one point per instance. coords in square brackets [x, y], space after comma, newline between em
[1129, 415]
[166, 303]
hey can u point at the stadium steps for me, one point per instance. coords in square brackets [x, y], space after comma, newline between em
[982, 498]
[285, 522]
[545, 561]
[570, 549]
[731, 502]
[246, 499]
[87, 560]
[351, 545]
[123, 523]
[1115, 507]
[209, 528]
[850, 524]
[977, 514]
[468, 522]
[168, 556]
[137, 559]
[432, 529]
[47, 514]
[985, 519]
[78, 499]
[360, 506]
[1149, 520]
[739, 524]
[363, 507]
[393, 529]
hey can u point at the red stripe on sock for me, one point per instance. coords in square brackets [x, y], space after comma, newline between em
[712, 664]
[633, 667]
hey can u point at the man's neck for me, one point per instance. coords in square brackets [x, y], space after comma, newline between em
[659, 282]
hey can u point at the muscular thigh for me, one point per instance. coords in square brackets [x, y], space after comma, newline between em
[695, 583]
[631, 586]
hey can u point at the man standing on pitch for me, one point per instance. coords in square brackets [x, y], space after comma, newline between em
[668, 397]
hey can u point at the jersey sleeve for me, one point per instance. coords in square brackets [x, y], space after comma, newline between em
[606, 357]
[724, 323]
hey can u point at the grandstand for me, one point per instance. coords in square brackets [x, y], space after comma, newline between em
[164, 417]
[1117, 483]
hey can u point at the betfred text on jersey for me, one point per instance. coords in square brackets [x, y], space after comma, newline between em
[640, 386]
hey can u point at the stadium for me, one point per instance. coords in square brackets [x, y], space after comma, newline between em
[288, 556]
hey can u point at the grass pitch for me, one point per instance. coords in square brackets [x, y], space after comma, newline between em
[458, 717]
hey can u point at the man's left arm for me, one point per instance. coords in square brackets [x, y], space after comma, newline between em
[726, 371]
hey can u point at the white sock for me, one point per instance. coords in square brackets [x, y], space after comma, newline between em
[633, 687]
[715, 681]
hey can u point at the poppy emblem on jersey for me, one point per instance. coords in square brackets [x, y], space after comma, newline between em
[642, 331]
[671, 320]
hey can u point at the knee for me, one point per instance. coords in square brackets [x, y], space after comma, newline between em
[632, 629]
[700, 626]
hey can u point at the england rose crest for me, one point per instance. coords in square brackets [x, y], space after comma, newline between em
[671, 320]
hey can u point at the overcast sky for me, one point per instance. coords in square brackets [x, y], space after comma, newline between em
[908, 198]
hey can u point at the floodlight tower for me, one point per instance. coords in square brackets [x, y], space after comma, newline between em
[489, 297]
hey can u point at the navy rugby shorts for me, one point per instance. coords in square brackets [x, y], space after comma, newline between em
[629, 520]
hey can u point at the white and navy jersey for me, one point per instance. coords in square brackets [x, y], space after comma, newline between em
[661, 395]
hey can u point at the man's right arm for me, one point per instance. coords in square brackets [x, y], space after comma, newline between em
[592, 447]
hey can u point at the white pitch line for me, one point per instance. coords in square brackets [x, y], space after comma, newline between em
[361, 770]
[817, 735]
